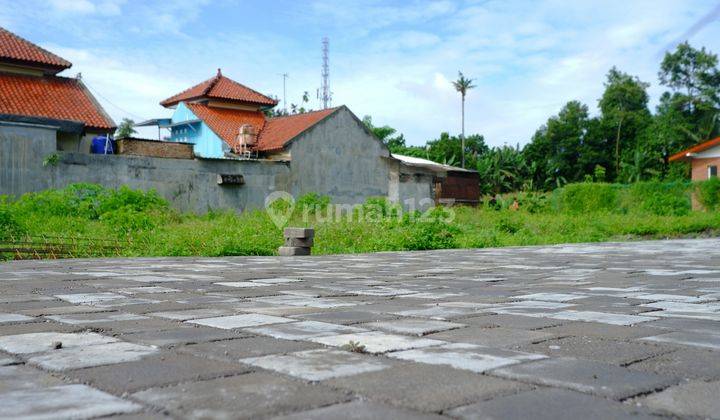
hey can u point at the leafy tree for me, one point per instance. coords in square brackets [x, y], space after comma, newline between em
[447, 149]
[126, 128]
[624, 111]
[693, 78]
[502, 169]
[554, 154]
[462, 85]
[396, 144]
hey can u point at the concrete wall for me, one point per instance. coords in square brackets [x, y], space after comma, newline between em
[340, 158]
[337, 157]
[191, 185]
[22, 150]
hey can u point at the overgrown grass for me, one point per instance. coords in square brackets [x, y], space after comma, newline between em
[146, 225]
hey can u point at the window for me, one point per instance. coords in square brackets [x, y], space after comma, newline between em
[712, 172]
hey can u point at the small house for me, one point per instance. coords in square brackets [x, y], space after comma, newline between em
[31, 92]
[704, 159]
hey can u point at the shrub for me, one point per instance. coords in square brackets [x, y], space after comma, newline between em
[658, 198]
[587, 198]
[312, 203]
[9, 225]
[88, 201]
[708, 193]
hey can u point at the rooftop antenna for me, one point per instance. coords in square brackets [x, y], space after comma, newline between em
[324, 93]
[284, 76]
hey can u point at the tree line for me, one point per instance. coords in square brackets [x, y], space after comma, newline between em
[626, 142]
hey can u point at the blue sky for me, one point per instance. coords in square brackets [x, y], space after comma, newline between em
[393, 60]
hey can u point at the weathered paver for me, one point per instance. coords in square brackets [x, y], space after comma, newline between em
[316, 365]
[692, 399]
[600, 349]
[376, 342]
[569, 331]
[63, 401]
[360, 410]
[427, 388]
[87, 356]
[247, 396]
[586, 376]
[470, 357]
[545, 404]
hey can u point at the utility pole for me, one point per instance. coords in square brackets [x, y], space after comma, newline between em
[284, 76]
[324, 93]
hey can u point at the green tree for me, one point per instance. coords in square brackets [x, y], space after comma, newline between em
[386, 134]
[555, 153]
[462, 85]
[693, 78]
[624, 112]
[450, 149]
[125, 129]
[502, 169]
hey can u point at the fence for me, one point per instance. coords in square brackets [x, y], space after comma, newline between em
[54, 247]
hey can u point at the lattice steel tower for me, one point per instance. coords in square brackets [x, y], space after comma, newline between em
[324, 93]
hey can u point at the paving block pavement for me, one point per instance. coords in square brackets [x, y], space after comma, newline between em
[570, 331]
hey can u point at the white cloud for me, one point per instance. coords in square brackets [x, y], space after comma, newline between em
[103, 7]
[392, 60]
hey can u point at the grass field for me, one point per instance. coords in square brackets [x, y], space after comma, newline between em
[143, 224]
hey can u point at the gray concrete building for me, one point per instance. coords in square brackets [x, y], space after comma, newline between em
[239, 155]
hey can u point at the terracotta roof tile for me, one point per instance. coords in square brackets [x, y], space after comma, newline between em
[695, 149]
[226, 122]
[54, 97]
[280, 130]
[16, 49]
[220, 87]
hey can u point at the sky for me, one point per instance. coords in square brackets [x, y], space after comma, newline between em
[393, 60]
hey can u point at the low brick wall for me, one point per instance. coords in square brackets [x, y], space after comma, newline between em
[154, 148]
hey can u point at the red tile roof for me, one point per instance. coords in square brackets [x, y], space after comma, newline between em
[280, 130]
[54, 97]
[226, 122]
[222, 88]
[274, 133]
[695, 149]
[17, 50]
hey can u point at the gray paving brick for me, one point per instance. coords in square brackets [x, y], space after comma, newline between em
[87, 356]
[360, 410]
[426, 387]
[346, 317]
[586, 376]
[593, 348]
[492, 337]
[317, 365]
[247, 347]
[154, 371]
[596, 329]
[546, 404]
[245, 396]
[688, 363]
[181, 335]
[692, 399]
[688, 338]
[62, 401]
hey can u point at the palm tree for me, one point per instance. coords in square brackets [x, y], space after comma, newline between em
[462, 85]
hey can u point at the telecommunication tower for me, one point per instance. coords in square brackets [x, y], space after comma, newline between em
[324, 93]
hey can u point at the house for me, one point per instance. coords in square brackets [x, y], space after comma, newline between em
[704, 159]
[31, 92]
[223, 151]
[449, 184]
